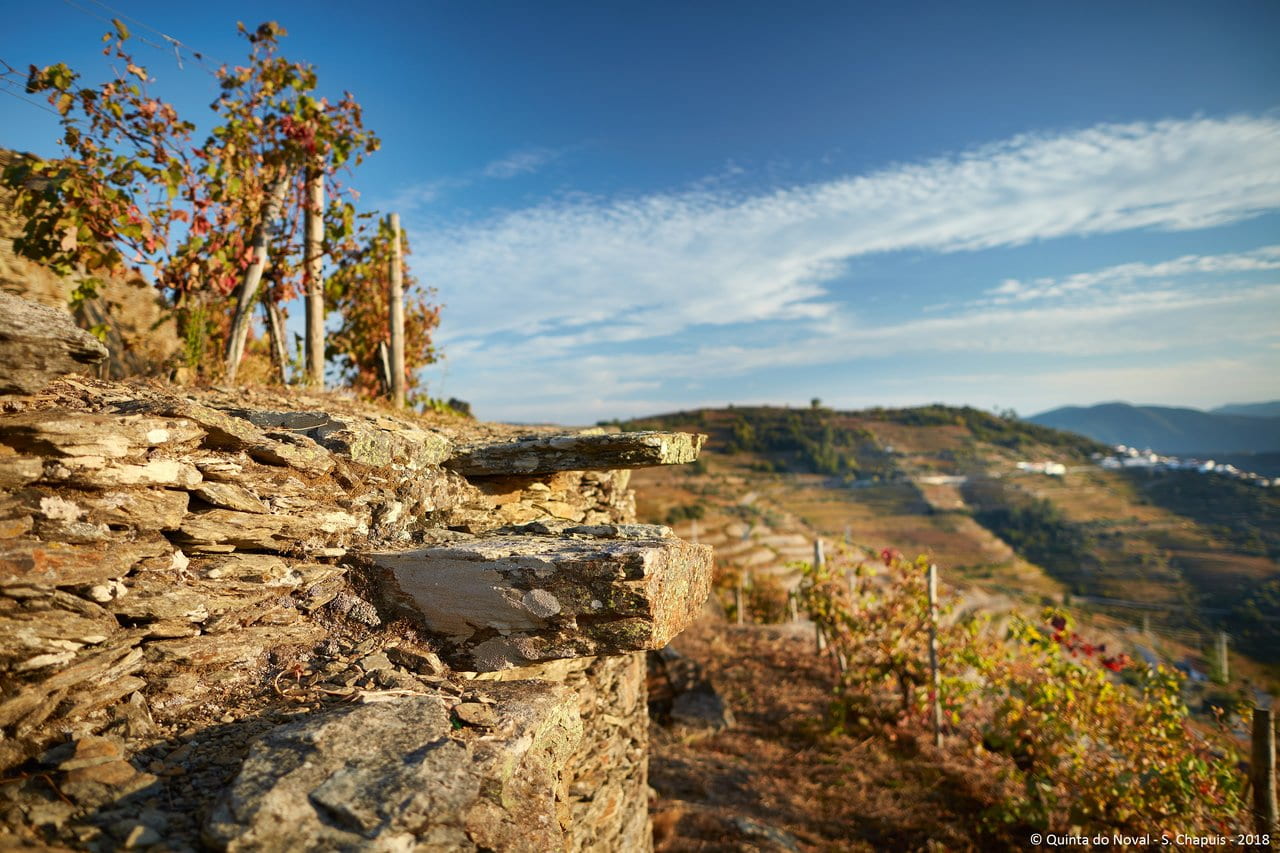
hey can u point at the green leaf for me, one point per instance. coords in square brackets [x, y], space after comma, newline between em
[121, 29]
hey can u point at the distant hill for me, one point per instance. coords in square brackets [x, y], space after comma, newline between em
[1254, 410]
[1169, 430]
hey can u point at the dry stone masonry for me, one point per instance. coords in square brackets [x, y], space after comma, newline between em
[262, 621]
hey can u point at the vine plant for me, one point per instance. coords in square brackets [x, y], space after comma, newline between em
[135, 194]
[1092, 742]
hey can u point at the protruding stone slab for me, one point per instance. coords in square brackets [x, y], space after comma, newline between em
[67, 435]
[372, 444]
[407, 774]
[32, 563]
[217, 528]
[38, 344]
[582, 452]
[228, 432]
[369, 441]
[512, 599]
[141, 509]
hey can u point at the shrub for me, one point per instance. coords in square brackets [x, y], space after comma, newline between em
[1090, 754]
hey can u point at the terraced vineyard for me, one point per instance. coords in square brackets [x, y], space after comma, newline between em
[1193, 553]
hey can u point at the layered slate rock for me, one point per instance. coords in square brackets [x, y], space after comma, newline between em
[183, 570]
[38, 344]
[429, 772]
[588, 451]
[545, 592]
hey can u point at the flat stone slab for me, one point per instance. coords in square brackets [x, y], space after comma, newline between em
[512, 599]
[38, 344]
[63, 434]
[581, 452]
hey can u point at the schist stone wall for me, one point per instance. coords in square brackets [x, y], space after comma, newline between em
[263, 621]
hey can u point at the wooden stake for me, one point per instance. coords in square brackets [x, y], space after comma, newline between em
[934, 680]
[819, 637]
[739, 600]
[395, 299]
[275, 332]
[313, 261]
[1220, 656]
[252, 278]
[385, 359]
[1265, 816]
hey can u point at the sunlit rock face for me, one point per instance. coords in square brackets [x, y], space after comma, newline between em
[516, 598]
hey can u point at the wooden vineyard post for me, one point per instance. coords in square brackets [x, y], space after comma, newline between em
[740, 599]
[1220, 657]
[793, 609]
[275, 331]
[820, 639]
[934, 681]
[395, 299]
[252, 278]
[313, 261]
[1265, 817]
[385, 360]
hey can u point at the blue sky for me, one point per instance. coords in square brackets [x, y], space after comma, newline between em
[629, 208]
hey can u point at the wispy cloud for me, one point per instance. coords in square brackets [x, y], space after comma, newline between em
[553, 290]
[1012, 290]
[517, 163]
[668, 261]
[521, 163]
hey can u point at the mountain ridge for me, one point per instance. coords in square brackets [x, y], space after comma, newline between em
[1258, 410]
[1171, 429]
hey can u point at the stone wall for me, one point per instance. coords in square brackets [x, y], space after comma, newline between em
[265, 620]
